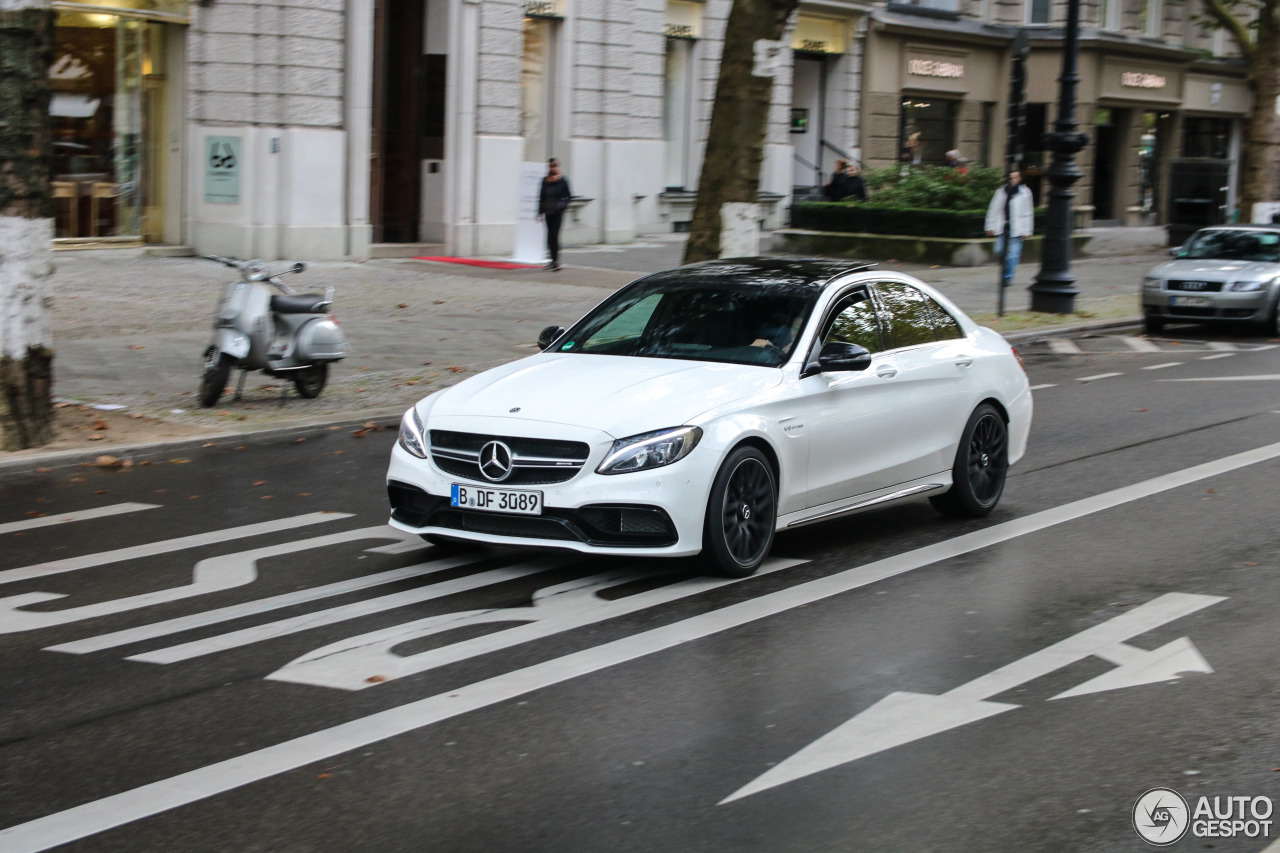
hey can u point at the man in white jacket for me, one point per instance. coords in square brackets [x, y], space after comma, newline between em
[1011, 203]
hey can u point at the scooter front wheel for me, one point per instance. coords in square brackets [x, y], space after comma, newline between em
[217, 370]
[310, 380]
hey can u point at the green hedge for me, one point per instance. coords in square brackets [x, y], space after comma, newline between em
[913, 222]
[863, 219]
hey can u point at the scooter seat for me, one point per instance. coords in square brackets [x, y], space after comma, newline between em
[298, 303]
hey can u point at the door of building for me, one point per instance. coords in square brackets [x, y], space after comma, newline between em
[1107, 133]
[807, 95]
[396, 143]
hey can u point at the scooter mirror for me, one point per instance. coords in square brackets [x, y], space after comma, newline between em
[299, 267]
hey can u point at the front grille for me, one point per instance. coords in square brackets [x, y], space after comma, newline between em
[613, 526]
[1196, 286]
[535, 461]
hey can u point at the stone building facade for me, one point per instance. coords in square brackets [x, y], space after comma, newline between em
[358, 128]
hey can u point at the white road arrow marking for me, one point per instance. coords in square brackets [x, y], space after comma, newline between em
[348, 664]
[901, 718]
[210, 575]
[80, 515]
[72, 564]
[307, 621]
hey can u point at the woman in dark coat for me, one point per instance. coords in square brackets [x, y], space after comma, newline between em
[553, 200]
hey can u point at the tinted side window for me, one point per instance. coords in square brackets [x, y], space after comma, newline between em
[945, 327]
[856, 323]
[907, 319]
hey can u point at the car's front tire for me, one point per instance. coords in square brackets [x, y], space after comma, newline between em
[741, 515]
[1153, 325]
[982, 463]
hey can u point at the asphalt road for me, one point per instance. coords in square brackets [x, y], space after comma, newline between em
[985, 685]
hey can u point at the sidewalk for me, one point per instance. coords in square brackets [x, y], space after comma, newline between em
[129, 330]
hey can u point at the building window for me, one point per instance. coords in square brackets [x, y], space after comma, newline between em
[1152, 20]
[537, 84]
[1206, 137]
[1109, 14]
[952, 6]
[677, 111]
[927, 131]
[1037, 11]
[108, 124]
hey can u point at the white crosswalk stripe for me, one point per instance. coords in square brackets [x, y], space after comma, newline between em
[79, 515]
[1139, 344]
[1063, 346]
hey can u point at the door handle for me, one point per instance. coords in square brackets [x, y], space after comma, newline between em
[964, 361]
[886, 372]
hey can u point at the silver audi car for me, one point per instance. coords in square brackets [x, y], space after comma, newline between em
[1225, 273]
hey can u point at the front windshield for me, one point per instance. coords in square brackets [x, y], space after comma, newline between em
[1233, 246]
[713, 321]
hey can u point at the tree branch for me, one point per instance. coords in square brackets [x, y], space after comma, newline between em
[1218, 11]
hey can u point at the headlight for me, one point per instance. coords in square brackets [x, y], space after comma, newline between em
[1250, 285]
[1151, 283]
[650, 450]
[412, 432]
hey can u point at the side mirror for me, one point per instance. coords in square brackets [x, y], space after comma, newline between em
[548, 336]
[1177, 250]
[298, 267]
[837, 357]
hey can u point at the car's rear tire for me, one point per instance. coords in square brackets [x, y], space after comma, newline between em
[1153, 325]
[982, 463]
[741, 514]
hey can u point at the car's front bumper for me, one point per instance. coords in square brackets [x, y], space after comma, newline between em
[1226, 305]
[652, 513]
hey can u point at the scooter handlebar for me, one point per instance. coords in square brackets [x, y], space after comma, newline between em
[227, 262]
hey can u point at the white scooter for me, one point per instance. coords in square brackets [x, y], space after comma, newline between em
[285, 334]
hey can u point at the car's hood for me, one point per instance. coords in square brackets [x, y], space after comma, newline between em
[1216, 270]
[620, 395]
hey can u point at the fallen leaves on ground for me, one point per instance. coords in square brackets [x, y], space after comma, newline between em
[43, 470]
[179, 461]
[403, 305]
[259, 482]
[101, 424]
[109, 462]
[96, 437]
[136, 346]
[453, 368]
[299, 440]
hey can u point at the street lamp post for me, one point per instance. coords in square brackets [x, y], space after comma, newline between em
[1054, 290]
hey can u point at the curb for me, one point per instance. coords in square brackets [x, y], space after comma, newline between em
[1033, 335]
[77, 458]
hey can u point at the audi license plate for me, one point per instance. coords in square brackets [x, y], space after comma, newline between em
[496, 500]
[1191, 301]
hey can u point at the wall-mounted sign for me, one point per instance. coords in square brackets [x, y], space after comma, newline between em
[799, 120]
[222, 169]
[543, 8]
[819, 35]
[684, 20]
[935, 68]
[1142, 80]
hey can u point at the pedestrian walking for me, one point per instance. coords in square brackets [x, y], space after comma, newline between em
[955, 160]
[855, 186]
[1010, 218]
[834, 189]
[553, 200]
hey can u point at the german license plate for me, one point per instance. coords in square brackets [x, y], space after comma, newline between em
[496, 500]
[1191, 301]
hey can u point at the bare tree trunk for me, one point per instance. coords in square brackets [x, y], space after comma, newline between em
[1262, 152]
[26, 260]
[739, 119]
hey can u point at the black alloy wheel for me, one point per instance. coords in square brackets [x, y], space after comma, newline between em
[213, 381]
[981, 466]
[310, 380]
[741, 515]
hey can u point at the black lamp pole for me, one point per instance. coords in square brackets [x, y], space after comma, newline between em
[1054, 290]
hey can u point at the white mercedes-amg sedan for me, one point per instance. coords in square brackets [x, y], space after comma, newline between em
[701, 410]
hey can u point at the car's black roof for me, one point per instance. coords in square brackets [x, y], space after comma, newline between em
[812, 272]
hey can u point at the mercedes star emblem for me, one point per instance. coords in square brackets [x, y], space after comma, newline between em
[495, 461]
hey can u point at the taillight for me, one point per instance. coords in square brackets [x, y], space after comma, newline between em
[1018, 356]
